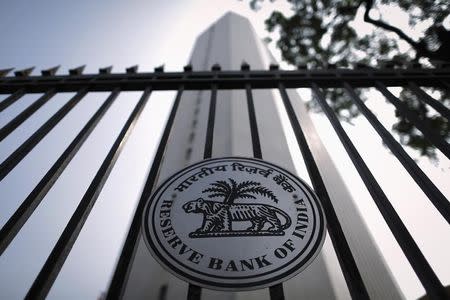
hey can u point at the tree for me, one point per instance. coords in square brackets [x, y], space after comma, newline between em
[233, 191]
[321, 32]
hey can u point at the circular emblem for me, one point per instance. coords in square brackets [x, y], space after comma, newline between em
[234, 224]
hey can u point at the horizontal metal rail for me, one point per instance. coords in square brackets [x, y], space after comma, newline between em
[202, 80]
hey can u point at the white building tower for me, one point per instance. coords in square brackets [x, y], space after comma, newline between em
[229, 42]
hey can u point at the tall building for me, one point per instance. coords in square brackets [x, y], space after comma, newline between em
[229, 42]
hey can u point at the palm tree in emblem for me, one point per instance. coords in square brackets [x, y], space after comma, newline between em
[232, 191]
[218, 217]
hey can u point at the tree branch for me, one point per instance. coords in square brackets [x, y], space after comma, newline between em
[419, 47]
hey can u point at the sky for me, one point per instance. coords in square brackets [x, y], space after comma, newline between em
[150, 33]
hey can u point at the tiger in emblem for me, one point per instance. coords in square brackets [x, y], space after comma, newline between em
[218, 217]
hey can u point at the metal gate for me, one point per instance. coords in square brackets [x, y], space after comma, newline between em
[414, 77]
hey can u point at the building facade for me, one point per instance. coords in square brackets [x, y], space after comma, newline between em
[229, 42]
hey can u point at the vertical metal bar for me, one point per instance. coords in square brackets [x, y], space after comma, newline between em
[13, 160]
[116, 287]
[438, 106]
[253, 125]
[22, 117]
[276, 291]
[15, 223]
[346, 260]
[403, 110]
[412, 252]
[55, 261]
[210, 127]
[11, 99]
[195, 292]
[162, 295]
[436, 197]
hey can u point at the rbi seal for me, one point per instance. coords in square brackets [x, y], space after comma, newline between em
[234, 224]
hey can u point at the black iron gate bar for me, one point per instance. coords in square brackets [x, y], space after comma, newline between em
[12, 160]
[276, 291]
[413, 118]
[347, 262]
[438, 106]
[409, 247]
[11, 99]
[50, 84]
[12, 227]
[120, 275]
[18, 120]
